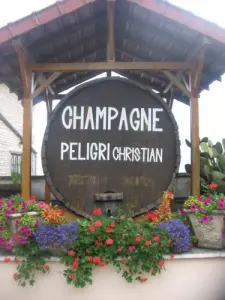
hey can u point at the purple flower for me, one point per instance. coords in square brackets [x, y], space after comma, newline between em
[178, 233]
[223, 233]
[57, 236]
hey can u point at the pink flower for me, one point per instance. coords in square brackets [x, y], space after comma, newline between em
[201, 210]
[148, 243]
[220, 205]
[193, 207]
[204, 219]
[109, 242]
[98, 223]
[182, 212]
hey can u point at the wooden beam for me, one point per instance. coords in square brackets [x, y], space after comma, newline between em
[195, 152]
[104, 66]
[27, 80]
[45, 84]
[110, 36]
[176, 82]
[199, 70]
[49, 111]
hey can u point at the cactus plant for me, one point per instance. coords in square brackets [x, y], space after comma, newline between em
[212, 162]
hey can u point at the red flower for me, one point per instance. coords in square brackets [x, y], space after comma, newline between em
[147, 243]
[152, 216]
[75, 263]
[90, 259]
[91, 228]
[161, 263]
[142, 280]
[15, 276]
[191, 245]
[101, 264]
[72, 276]
[7, 259]
[120, 249]
[109, 242]
[96, 259]
[138, 238]
[71, 253]
[88, 251]
[98, 243]
[131, 248]
[171, 256]
[16, 238]
[123, 260]
[98, 223]
[46, 267]
[17, 260]
[97, 211]
[156, 238]
[109, 230]
[112, 224]
[213, 186]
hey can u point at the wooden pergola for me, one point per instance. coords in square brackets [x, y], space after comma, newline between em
[149, 41]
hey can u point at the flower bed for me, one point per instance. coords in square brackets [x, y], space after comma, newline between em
[134, 249]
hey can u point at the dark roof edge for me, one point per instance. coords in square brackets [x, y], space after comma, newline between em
[14, 130]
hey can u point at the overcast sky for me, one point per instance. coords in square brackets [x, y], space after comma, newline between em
[212, 102]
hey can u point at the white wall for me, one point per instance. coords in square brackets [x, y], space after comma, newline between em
[12, 110]
[183, 279]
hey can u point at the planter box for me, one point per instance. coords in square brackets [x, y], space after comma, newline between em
[210, 234]
[14, 217]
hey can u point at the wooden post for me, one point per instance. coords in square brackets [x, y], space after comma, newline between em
[27, 81]
[49, 111]
[195, 152]
[195, 77]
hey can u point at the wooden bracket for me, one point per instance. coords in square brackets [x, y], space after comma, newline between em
[176, 82]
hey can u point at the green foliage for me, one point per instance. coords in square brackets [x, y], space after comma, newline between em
[212, 163]
[34, 260]
[134, 249]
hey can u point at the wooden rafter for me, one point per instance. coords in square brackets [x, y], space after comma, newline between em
[110, 35]
[101, 66]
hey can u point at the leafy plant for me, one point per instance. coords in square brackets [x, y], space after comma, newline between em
[134, 249]
[212, 160]
[204, 206]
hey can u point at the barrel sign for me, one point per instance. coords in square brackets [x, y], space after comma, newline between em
[110, 135]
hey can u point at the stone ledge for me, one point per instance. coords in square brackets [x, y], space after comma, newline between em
[196, 253]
